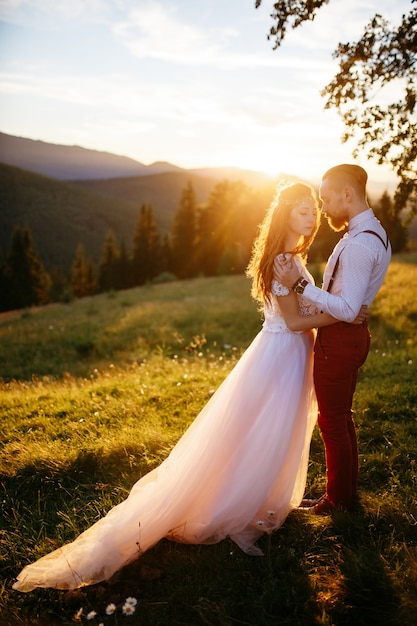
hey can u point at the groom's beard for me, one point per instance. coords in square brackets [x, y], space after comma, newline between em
[337, 223]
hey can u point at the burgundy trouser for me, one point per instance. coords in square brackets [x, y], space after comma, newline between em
[339, 352]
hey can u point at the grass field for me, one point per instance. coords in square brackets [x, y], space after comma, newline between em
[95, 393]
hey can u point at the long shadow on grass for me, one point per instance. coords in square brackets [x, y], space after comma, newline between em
[349, 574]
[53, 501]
[47, 505]
[313, 572]
[214, 585]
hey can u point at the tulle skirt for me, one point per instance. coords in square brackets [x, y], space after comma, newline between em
[238, 471]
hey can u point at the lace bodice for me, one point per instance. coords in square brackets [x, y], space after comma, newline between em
[274, 322]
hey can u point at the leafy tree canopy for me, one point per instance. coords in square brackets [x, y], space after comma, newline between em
[384, 56]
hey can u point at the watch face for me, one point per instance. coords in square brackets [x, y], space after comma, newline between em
[301, 286]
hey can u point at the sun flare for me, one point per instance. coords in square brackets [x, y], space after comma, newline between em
[275, 159]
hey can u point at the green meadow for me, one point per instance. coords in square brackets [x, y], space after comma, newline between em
[94, 393]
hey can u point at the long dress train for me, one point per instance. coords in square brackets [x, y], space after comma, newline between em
[238, 470]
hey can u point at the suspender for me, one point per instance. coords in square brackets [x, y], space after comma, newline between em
[331, 281]
[372, 232]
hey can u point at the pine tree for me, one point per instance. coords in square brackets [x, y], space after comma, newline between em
[3, 283]
[210, 235]
[83, 281]
[26, 281]
[124, 269]
[391, 221]
[146, 247]
[60, 290]
[226, 229]
[91, 283]
[165, 256]
[183, 235]
[108, 269]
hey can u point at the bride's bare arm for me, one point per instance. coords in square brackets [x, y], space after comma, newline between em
[290, 312]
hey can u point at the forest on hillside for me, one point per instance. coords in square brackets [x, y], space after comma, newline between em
[208, 238]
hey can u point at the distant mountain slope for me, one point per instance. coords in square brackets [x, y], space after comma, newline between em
[162, 191]
[61, 215]
[250, 177]
[77, 163]
[71, 162]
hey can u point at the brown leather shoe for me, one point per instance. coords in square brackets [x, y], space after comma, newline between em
[324, 507]
[309, 502]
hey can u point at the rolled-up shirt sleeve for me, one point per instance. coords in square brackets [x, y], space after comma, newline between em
[349, 290]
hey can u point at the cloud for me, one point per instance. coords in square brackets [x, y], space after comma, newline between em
[194, 105]
[118, 94]
[157, 30]
[154, 31]
[46, 14]
[63, 89]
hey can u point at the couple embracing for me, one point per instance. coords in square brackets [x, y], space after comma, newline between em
[241, 466]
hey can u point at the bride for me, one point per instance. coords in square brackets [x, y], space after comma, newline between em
[241, 466]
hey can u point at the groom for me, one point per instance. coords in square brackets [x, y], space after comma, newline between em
[353, 276]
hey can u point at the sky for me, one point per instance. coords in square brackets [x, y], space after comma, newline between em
[192, 82]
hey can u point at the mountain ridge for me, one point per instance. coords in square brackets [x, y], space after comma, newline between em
[67, 162]
[62, 214]
[76, 163]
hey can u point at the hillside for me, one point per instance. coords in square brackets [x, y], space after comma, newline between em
[70, 162]
[59, 215]
[80, 427]
[163, 191]
[65, 162]
[62, 215]
[87, 193]
[79, 164]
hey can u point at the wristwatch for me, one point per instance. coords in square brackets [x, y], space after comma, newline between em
[299, 285]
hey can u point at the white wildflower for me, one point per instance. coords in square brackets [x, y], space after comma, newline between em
[78, 614]
[128, 609]
[131, 601]
[110, 609]
[91, 614]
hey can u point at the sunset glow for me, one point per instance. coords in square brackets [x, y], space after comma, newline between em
[197, 85]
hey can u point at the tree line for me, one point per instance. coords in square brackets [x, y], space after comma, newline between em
[208, 239]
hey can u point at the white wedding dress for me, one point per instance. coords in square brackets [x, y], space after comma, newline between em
[238, 470]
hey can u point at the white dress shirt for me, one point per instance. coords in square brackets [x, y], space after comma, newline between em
[363, 263]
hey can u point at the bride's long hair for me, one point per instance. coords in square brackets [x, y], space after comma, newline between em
[272, 235]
